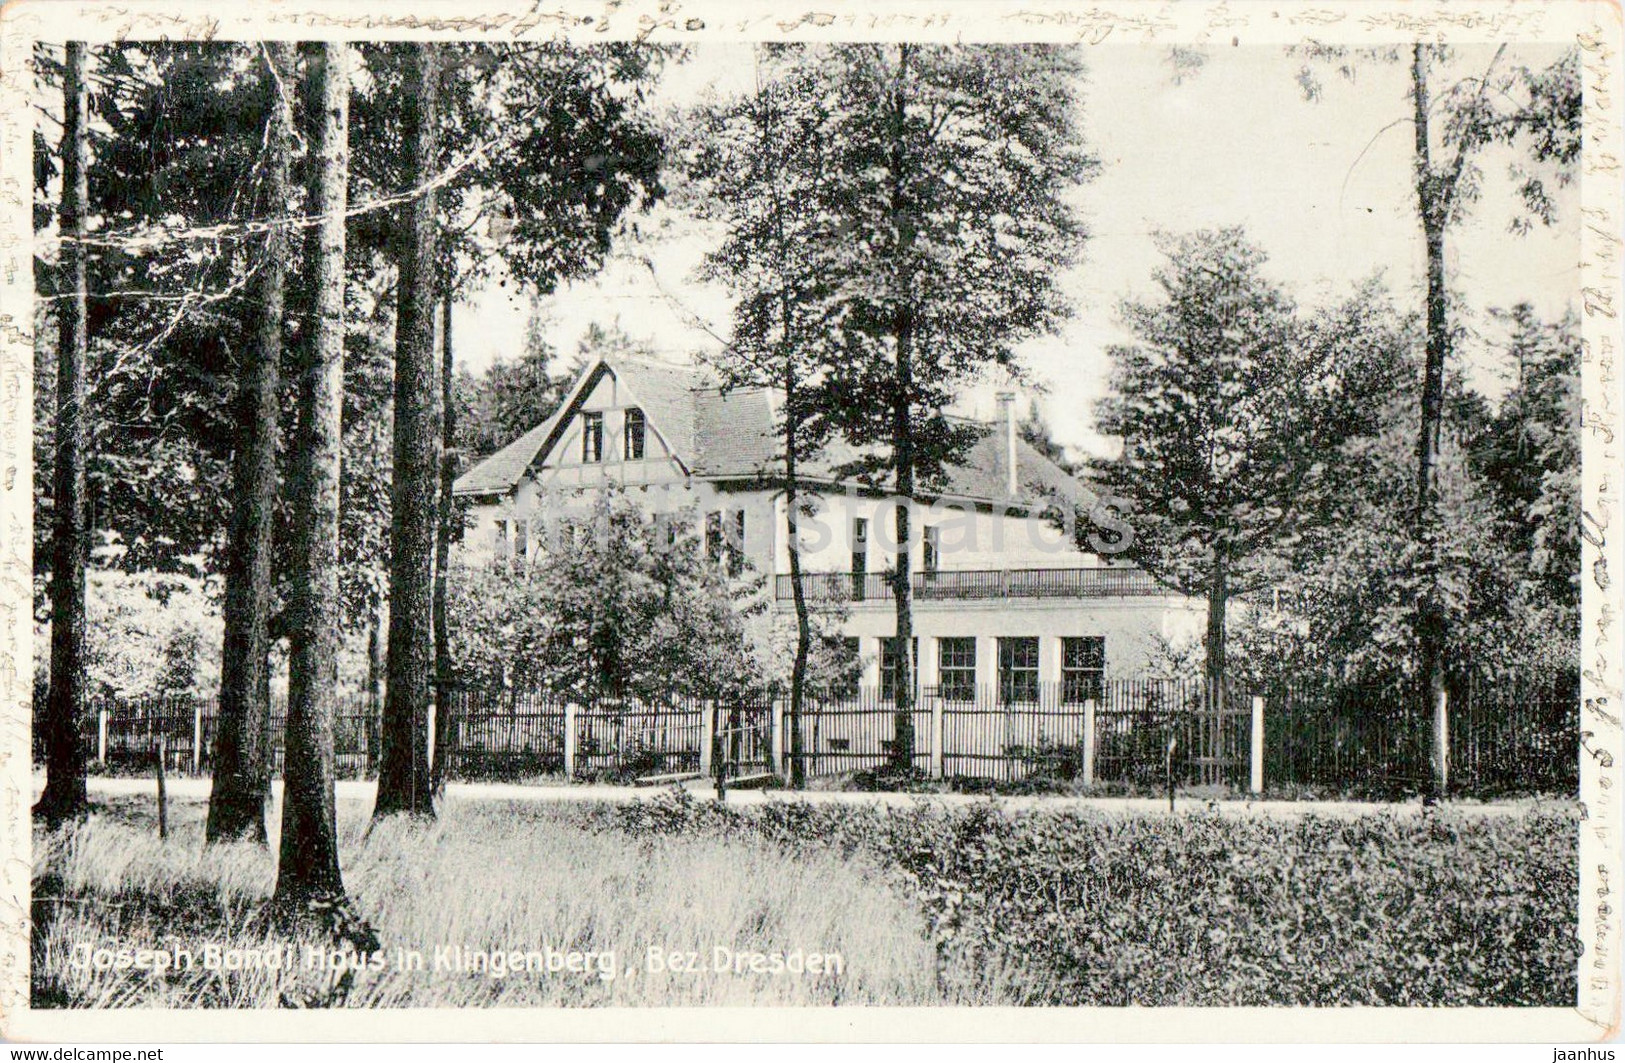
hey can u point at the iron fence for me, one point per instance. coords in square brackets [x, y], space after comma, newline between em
[1504, 737]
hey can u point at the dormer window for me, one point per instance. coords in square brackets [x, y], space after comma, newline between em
[592, 437]
[634, 434]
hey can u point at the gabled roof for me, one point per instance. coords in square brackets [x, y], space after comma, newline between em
[503, 470]
[663, 392]
[731, 435]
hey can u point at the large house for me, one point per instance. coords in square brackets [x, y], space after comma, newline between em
[1003, 596]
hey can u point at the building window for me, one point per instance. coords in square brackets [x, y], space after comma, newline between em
[956, 669]
[847, 680]
[634, 434]
[1083, 669]
[860, 556]
[502, 538]
[521, 539]
[725, 539]
[734, 542]
[713, 536]
[592, 437]
[1018, 669]
[891, 667]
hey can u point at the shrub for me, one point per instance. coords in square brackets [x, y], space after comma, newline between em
[1095, 908]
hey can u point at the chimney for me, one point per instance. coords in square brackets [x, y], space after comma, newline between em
[1007, 408]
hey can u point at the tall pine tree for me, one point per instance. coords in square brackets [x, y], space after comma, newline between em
[403, 772]
[242, 768]
[308, 868]
[65, 796]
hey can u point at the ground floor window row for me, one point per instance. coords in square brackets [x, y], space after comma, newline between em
[1016, 665]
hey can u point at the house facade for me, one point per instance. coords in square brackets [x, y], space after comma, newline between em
[1002, 595]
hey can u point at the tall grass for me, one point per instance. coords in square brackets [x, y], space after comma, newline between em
[926, 904]
[484, 877]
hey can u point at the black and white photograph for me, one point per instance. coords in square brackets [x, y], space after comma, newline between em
[971, 508]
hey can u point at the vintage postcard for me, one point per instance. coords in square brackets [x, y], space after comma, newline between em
[893, 520]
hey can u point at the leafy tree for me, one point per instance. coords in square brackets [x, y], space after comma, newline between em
[65, 795]
[619, 604]
[1531, 453]
[1230, 410]
[550, 144]
[509, 398]
[1537, 110]
[758, 166]
[144, 632]
[1349, 613]
[178, 173]
[549, 140]
[943, 229]
[179, 131]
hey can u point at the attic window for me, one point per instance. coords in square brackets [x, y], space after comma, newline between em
[634, 434]
[592, 437]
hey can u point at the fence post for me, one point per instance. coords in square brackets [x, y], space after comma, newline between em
[434, 710]
[1441, 741]
[569, 741]
[775, 738]
[197, 736]
[937, 729]
[1256, 775]
[101, 733]
[1089, 742]
[708, 736]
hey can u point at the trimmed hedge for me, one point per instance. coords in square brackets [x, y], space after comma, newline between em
[1102, 908]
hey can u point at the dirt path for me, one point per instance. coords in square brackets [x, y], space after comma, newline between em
[363, 790]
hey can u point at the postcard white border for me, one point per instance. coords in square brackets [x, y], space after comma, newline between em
[1596, 26]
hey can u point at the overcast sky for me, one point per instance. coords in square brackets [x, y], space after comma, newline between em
[1323, 187]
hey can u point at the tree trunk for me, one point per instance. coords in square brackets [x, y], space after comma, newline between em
[792, 499]
[242, 770]
[903, 430]
[403, 776]
[375, 686]
[902, 576]
[375, 661]
[792, 493]
[442, 556]
[309, 866]
[1218, 597]
[64, 797]
[1431, 621]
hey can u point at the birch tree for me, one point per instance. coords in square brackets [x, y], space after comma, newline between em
[759, 164]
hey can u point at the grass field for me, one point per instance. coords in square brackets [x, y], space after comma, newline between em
[923, 904]
[485, 877]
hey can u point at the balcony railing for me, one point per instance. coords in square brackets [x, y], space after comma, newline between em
[980, 584]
